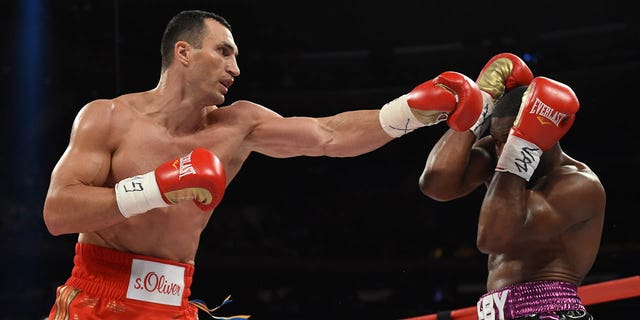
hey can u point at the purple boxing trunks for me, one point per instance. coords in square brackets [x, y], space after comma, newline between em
[544, 300]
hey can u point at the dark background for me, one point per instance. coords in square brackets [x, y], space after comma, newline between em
[318, 238]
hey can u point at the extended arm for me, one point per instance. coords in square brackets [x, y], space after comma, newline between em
[356, 132]
[343, 135]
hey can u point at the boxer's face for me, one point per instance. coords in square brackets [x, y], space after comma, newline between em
[213, 67]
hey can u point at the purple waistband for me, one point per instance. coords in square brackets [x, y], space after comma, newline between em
[529, 298]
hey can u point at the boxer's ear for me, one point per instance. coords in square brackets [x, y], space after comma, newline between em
[182, 52]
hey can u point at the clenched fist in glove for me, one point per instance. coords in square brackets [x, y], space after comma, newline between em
[450, 96]
[500, 74]
[546, 114]
[198, 176]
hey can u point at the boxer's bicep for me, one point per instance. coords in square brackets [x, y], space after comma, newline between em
[289, 137]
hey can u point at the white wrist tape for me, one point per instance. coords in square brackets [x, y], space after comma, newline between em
[397, 119]
[138, 194]
[519, 157]
[484, 120]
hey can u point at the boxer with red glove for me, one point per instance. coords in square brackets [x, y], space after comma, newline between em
[546, 114]
[450, 96]
[198, 176]
[501, 73]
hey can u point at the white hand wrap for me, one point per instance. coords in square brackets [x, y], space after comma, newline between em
[519, 157]
[397, 119]
[484, 120]
[138, 194]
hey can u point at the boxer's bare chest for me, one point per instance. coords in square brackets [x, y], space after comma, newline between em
[146, 145]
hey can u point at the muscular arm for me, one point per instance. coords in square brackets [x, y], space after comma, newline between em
[455, 166]
[76, 201]
[512, 215]
[345, 134]
[353, 133]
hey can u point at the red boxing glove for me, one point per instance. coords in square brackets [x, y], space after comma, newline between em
[450, 96]
[198, 176]
[546, 114]
[501, 73]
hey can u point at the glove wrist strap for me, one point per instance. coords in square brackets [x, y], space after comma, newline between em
[484, 119]
[138, 194]
[519, 157]
[397, 119]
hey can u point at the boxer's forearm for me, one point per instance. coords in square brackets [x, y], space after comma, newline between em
[354, 133]
[65, 212]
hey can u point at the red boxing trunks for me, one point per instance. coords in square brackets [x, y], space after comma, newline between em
[109, 284]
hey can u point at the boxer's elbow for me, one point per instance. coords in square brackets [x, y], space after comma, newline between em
[53, 226]
[53, 218]
[437, 194]
[436, 191]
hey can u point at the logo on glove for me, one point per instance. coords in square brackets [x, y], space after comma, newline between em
[186, 168]
[546, 112]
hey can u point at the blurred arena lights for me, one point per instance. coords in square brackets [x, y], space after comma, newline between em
[530, 58]
[25, 171]
[30, 82]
